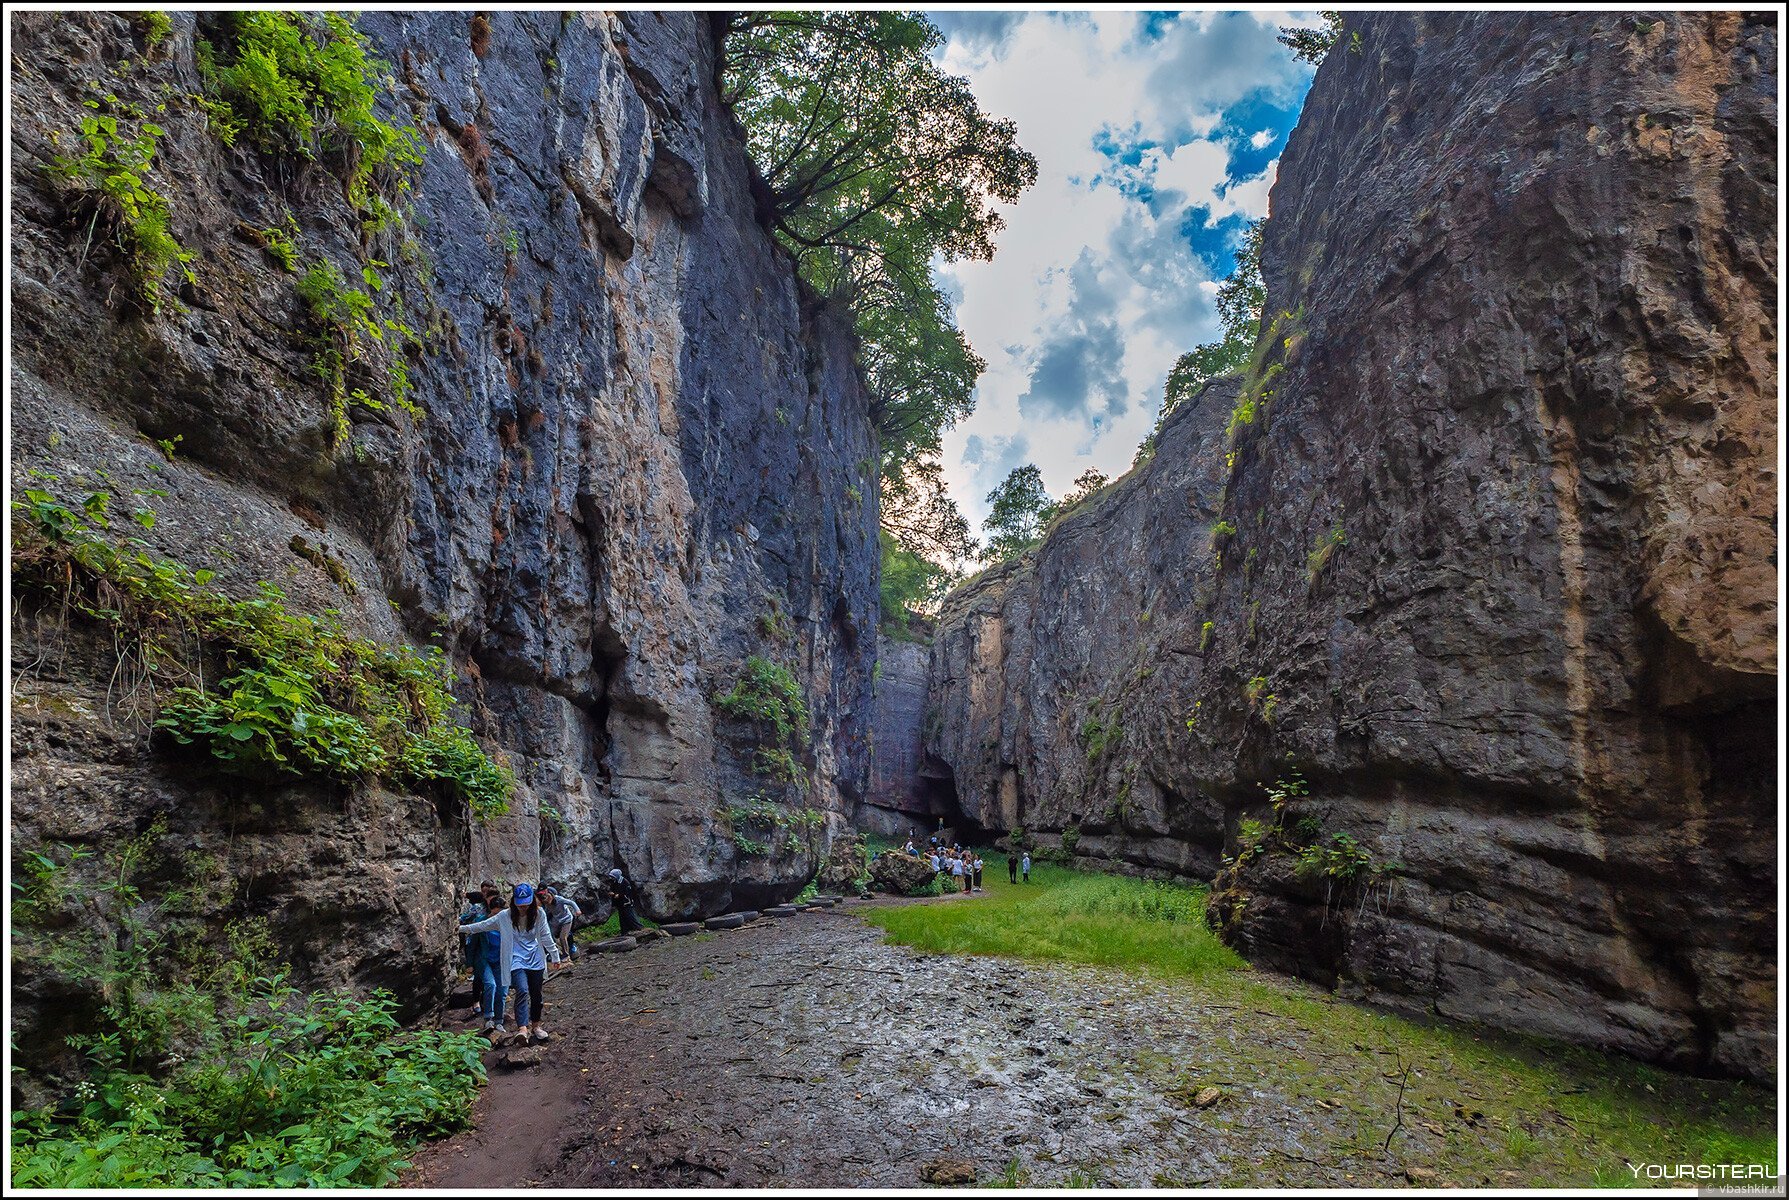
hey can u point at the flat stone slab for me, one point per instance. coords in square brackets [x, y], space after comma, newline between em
[618, 945]
[681, 928]
[726, 921]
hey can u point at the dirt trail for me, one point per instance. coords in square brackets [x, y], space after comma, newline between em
[805, 1052]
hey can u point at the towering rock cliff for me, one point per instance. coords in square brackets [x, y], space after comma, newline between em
[636, 467]
[1482, 544]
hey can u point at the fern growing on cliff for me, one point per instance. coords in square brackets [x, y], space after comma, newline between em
[303, 84]
[111, 179]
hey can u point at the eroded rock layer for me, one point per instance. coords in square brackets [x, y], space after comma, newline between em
[1493, 566]
[637, 466]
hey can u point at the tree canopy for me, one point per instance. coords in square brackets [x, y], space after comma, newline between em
[1311, 45]
[877, 165]
[1018, 510]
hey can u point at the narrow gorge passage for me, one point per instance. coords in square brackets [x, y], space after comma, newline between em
[807, 1052]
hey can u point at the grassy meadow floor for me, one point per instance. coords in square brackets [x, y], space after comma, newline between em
[1502, 1109]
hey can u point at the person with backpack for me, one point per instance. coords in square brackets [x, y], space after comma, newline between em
[525, 946]
[620, 892]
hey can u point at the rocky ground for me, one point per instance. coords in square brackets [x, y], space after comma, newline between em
[806, 1052]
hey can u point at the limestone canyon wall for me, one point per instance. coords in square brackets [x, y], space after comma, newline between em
[1493, 566]
[637, 465]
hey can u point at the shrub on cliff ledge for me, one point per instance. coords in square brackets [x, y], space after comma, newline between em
[302, 84]
[298, 696]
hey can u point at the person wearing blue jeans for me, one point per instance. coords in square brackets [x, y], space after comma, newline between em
[526, 945]
[491, 980]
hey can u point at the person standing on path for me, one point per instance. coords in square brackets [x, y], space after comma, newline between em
[526, 945]
[472, 945]
[956, 870]
[977, 877]
[1025, 866]
[562, 912]
[620, 892]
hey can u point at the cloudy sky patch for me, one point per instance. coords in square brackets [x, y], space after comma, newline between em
[1157, 136]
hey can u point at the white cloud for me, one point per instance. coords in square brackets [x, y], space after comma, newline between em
[1095, 290]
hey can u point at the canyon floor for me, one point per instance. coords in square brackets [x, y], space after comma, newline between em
[809, 1052]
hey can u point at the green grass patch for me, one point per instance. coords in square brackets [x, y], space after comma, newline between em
[1477, 1104]
[1069, 916]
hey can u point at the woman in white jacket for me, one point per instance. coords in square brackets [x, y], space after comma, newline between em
[527, 944]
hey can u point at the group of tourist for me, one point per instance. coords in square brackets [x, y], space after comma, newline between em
[958, 867]
[509, 944]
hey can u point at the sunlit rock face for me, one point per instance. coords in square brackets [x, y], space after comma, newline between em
[645, 457]
[1502, 577]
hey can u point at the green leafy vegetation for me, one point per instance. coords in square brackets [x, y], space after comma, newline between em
[296, 696]
[875, 166]
[1325, 549]
[769, 695]
[1018, 510]
[204, 1066]
[303, 84]
[110, 179]
[910, 583]
[1099, 731]
[1313, 45]
[156, 27]
[351, 326]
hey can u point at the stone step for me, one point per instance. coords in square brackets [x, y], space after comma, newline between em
[781, 910]
[681, 928]
[727, 921]
[750, 915]
[643, 936]
[615, 945]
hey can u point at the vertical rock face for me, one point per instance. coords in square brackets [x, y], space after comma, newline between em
[1493, 566]
[637, 467]
[903, 796]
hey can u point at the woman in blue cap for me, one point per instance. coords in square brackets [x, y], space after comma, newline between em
[526, 944]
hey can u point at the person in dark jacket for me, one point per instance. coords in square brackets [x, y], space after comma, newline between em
[620, 893]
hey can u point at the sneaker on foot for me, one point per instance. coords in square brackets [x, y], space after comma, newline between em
[540, 1034]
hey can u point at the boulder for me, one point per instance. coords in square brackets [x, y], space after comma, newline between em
[900, 874]
[948, 1172]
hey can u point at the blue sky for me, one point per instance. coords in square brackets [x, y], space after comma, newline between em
[1157, 135]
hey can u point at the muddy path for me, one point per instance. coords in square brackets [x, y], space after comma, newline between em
[805, 1052]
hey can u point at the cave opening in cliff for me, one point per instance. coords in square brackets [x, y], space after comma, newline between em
[935, 788]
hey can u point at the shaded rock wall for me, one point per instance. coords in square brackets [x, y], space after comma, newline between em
[634, 471]
[901, 798]
[1524, 269]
